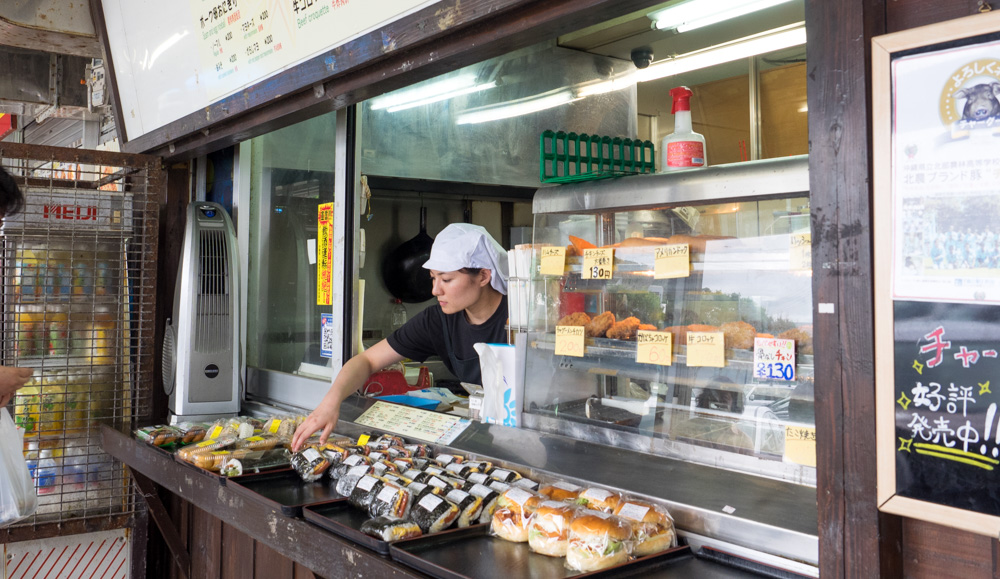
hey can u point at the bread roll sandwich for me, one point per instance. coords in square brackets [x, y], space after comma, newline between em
[514, 508]
[548, 530]
[652, 526]
[597, 541]
[599, 500]
[561, 491]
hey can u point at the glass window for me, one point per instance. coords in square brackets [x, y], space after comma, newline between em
[292, 173]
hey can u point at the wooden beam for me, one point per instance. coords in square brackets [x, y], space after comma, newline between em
[855, 539]
[162, 519]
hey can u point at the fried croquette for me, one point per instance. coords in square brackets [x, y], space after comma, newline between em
[649, 327]
[576, 319]
[739, 335]
[803, 341]
[600, 325]
[624, 330]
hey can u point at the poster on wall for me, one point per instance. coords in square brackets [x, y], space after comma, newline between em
[936, 231]
[946, 174]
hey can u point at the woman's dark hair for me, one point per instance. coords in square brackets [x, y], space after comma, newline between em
[471, 270]
[11, 198]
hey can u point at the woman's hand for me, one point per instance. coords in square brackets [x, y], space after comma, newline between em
[323, 418]
[11, 379]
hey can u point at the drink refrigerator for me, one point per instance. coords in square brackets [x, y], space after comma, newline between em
[78, 287]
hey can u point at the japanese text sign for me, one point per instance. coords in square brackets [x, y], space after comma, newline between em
[774, 359]
[598, 263]
[569, 341]
[706, 349]
[653, 347]
[553, 260]
[672, 261]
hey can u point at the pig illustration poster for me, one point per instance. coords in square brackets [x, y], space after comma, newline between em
[946, 175]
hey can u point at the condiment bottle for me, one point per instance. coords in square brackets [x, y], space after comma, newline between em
[684, 148]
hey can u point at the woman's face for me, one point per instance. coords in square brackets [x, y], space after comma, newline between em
[456, 290]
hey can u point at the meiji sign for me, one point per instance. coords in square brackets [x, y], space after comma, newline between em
[73, 209]
[74, 212]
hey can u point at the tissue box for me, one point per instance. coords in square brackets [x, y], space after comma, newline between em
[502, 366]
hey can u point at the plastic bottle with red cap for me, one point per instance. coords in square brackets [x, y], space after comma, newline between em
[684, 148]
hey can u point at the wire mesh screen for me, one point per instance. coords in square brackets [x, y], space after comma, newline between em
[78, 284]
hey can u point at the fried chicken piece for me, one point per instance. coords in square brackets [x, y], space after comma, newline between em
[649, 327]
[600, 324]
[803, 340]
[576, 319]
[739, 335]
[625, 329]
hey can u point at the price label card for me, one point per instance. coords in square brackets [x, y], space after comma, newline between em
[774, 359]
[672, 261]
[800, 445]
[800, 251]
[653, 347]
[553, 260]
[569, 341]
[706, 349]
[598, 263]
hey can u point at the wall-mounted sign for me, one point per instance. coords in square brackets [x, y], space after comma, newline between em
[937, 264]
[174, 58]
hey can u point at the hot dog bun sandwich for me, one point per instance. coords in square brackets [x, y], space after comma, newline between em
[514, 508]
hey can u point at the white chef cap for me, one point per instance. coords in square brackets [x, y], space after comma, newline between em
[465, 245]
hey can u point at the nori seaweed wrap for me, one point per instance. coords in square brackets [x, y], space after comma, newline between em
[444, 460]
[525, 483]
[505, 475]
[460, 470]
[347, 464]
[391, 501]
[489, 497]
[347, 482]
[417, 475]
[309, 463]
[420, 490]
[476, 478]
[364, 492]
[433, 513]
[389, 529]
[418, 450]
[470, 506]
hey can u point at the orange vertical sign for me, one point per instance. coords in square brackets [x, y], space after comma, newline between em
[324, 255]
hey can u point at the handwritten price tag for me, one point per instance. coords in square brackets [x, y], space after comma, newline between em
[569, 341]
[598, 263]
[800, 445]
[774, 359]
[672, 261]
[800, 251]
[553, 260]
[706, 349]
[653, 347]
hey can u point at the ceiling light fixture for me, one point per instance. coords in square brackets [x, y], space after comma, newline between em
[770, 41]
[777, 39]
[698, 13]
[527, 105]
[431, 92]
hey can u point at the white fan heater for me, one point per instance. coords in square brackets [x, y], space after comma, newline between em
[201, 355]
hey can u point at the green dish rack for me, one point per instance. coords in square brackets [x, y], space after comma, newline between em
[569, 157]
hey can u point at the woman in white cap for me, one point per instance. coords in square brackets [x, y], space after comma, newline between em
[468, 269]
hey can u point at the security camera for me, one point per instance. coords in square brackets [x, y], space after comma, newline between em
[642, 57]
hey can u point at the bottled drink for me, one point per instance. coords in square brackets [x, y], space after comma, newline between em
[47, 476]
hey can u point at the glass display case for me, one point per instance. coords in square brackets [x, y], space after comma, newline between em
[701, 386]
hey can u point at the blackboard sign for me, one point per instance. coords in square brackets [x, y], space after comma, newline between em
[947, 404]
[936, 242]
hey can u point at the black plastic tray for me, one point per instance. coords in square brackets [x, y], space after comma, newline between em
[340, 518]
[285, 490]
[473, 553]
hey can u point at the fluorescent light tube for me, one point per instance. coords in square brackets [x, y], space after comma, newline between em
[698, 13]
[516, 108]
[440, 97]
[786, 37]
[440, 90]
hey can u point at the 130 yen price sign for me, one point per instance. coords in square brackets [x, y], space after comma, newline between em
[598, 263]
[774, 359]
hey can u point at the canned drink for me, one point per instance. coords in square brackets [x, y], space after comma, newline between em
[58, 342]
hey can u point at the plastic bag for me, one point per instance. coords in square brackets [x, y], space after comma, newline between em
[17, 492]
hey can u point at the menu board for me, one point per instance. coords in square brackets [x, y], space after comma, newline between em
[947, 393]
[412, 422]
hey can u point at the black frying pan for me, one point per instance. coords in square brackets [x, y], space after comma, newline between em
[402, 268]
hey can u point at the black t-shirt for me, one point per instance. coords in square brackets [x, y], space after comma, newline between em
[424, 336]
